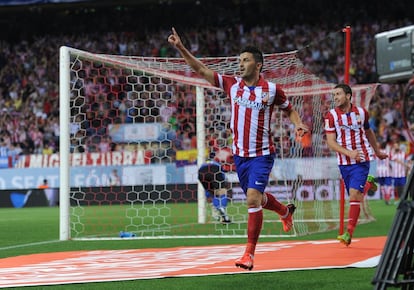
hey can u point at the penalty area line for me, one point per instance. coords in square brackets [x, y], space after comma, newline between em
[29, 245]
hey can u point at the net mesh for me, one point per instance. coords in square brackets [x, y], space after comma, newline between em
[133, 146]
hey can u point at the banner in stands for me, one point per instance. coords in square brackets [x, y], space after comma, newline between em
[124, 158]
[171, 174]
[4, 162]
[159, 193]
[164, 173]
[29, 197]
[140, 132]
[91, 176]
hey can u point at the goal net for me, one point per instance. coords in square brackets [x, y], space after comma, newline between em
[135, 129]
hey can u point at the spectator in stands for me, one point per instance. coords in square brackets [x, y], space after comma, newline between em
[29, 65]
[114, 178]
[4, 149]
[105, 144]
[48, 148]
[15, 150]
[27, 146]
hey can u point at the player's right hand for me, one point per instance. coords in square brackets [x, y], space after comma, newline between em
[355, 154]
[174, 38]
[382, 155]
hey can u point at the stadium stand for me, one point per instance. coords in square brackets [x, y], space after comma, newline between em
[29, 55]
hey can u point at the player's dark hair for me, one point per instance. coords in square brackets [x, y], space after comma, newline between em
[257, 54]
[347, 89]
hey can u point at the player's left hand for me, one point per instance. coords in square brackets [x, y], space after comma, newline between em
[382, 155]
[301, 129]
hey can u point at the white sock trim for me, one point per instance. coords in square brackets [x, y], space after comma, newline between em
[286, 214]
[264, 201]
[254, 209]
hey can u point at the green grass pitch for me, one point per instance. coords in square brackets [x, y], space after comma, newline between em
[36, 230]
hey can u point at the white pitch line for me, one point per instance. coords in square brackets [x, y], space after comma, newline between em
[29, 245]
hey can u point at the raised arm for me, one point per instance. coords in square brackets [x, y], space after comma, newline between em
[200, 68]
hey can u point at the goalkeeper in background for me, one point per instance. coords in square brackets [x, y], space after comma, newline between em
[213, 179]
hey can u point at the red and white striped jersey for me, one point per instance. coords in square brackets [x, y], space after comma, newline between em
[383, 167]
[398, 161]
[252, 109]
[350, 132]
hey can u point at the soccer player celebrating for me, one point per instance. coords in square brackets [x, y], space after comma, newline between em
[399, 169]
[252, 101]
[384, 174]
[349, 135]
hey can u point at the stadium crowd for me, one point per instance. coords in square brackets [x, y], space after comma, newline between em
[29, 76]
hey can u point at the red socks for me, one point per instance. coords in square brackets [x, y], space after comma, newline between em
[254, 227]
[255, 219]
[271, 203]
[353, 215]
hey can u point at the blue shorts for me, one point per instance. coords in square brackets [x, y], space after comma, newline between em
[399, 181]
[384, 180]
[355, 175]
[253, 172]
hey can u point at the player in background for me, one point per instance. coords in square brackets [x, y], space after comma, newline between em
[114, 178]
[252, 101]
[399, 169]
[212, 176]
[370, 185]
[384, 174]
[349, 135]
[43, 185]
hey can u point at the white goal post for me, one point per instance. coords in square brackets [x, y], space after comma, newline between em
[152, 112]
[64, 115]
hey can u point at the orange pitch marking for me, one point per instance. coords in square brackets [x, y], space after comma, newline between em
[117, 265]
